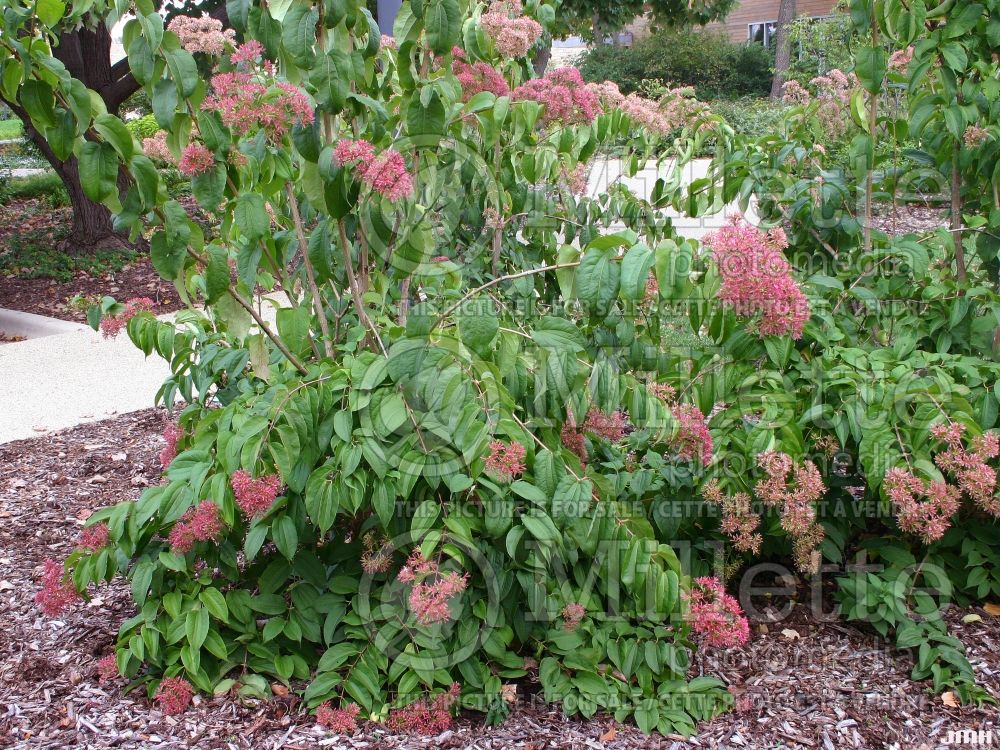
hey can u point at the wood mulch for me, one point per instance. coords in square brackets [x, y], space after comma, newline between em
[799, 683]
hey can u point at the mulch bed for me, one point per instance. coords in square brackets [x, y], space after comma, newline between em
[45, 296]
[799, 683]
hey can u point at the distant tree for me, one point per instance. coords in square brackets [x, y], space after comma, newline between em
[783, 47]
[596, 19]
[84, 48]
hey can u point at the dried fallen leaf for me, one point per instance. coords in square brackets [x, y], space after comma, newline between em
[509, 693]
[949, 699]
[992, 608]
[278, 689]
[609, 735]
[971, 618]
[790, 634]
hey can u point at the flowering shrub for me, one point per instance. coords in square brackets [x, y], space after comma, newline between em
[456, 451]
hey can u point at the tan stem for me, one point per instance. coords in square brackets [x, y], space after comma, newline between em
[356, 292]
[300, 232]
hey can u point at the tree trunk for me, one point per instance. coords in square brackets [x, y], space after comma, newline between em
[783, 49]
[87, 56]
[598, 31]
[542, 57]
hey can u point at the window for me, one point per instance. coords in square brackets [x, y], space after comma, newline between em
[756, 33]
[766, 32]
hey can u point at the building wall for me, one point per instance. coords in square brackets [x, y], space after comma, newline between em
[764, 11]
[745, 13]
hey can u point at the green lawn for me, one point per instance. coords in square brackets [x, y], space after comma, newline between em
[10, 129]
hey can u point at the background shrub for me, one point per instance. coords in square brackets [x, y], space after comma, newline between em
[707, 60]
[751, 117]
[142, 127]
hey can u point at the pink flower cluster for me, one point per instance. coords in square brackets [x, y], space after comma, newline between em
[692, 439]
[573, 439]
[900, 60]
[975, 136]
[974, 476]
[505, 460]
[201, 523]
[425, 716]
[795, 488]
[432, 591]
[156, 147]
[94, 538]
[112, 325]
[610, 427]
[385, 173]
[477, 76]
[833, 95]
[254, 496]
[566, 98]
[388, 42]
[573, 615]
[56, 593]
[340, 720]
[512, 33]
[576, 180]
[247, 53]
[203, 34]
[716, 617]
[195, 160]
[107, 669]
[377, 556]
[756, 278]
[172, 435]
[739, 522]
[174, 695]
[248, 102]
[922, 508]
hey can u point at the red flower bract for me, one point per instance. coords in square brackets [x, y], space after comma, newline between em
[506, 460]
[174, 695]
[196, 160]
[56, 593]
[107, 669]
[716, 617]
[248, 102]
[199, 524]
[426, 716]
[254, 496]
[94, 538]
[756, 278]
[340, 720]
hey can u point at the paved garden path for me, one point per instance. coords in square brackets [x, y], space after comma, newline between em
[72, 375]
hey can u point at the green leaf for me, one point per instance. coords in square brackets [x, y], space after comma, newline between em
[635, 272]
[285, 536]
[142, 576]
[443, 24]
[597, 281]
[215, 603]
[183, 70]
[114, 132]
[871, 65]
[478, 323]
[250, 216]
[298, 33]
[196, 627]
[50, 11]
[98, 170]
[209, 187]
[217, 273]
[332, 79]
[425, 119]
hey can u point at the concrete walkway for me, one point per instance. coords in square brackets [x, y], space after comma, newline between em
[67, 375]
